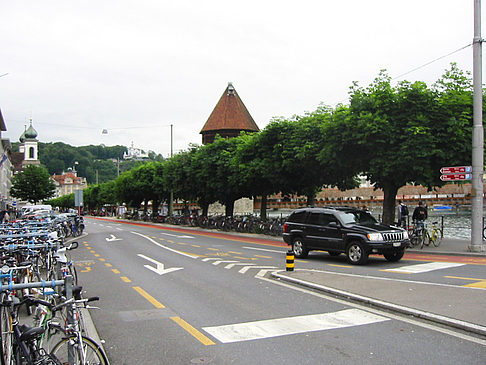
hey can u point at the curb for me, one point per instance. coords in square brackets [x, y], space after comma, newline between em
[451, 322]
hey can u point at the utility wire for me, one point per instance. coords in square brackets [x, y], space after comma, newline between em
[422, 66]
[430, 62]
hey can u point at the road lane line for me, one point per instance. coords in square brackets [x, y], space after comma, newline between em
[292, 325]
[193, 331]
[165, 247]
[264, 249]
[150, 298]
[246, 268]
[115, 271]
[125, 279]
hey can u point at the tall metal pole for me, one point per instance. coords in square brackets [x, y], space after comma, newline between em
[477, 138]
[171, 199]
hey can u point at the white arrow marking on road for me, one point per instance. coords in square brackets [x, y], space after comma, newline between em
[112, 238]
[246, 268]
[160, 266]
[211, 258]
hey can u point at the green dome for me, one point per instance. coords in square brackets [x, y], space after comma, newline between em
[30, 133]
[22, 137]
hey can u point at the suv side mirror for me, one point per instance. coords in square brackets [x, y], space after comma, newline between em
[333, 224]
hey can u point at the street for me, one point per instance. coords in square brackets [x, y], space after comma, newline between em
[175, 296]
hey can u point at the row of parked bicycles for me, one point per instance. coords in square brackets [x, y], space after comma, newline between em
[425, 234]
[244, 224]
[42, 307]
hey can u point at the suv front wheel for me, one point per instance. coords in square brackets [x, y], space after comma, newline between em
[356, 253]
[394, 256]
[299, 248]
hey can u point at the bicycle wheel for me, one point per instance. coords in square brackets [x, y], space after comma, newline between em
[93, 354]
[438, 237]
[5, 334]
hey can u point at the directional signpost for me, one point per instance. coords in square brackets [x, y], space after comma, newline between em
[456, 173]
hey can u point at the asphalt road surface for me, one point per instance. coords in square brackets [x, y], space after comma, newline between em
[189, 297]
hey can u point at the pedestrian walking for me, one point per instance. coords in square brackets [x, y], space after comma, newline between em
[6, 217]
[402, 214]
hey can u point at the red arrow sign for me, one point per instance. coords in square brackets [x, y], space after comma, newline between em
[453, 177]
[456, 170]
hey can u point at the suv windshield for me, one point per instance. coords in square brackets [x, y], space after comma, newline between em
[356, 217]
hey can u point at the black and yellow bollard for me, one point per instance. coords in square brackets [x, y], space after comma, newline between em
[290, 260]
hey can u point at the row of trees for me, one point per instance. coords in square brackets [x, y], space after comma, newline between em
[395, 135]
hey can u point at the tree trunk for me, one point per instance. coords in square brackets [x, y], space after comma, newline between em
[311, 197]
[229, 207]
[263, 208]
[389, 198]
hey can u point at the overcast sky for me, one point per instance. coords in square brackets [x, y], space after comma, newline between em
[135, 67]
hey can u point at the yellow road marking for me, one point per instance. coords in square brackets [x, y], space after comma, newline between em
[150, 298]
[195, 246]
[460, 277]
[241, 257]
[212, 249]
[479, 284]
[340, 265]
[264, 257]
[192, 331]
[103, 260]
[181, 243]
[236, 253]
[89, 248]
[93, 251]
[125, 279]
[107, 264]
[88, 269]
[170, 241]
[97, 255]
[115, 271]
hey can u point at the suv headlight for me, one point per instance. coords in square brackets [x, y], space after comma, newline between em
[375, 236]
[405, 235]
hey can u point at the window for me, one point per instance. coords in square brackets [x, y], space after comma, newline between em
[31, 152]
[297, 217]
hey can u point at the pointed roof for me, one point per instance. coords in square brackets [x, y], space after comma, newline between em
[230, 114]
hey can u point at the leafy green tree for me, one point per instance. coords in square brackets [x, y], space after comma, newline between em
[399, 135]
[217, 175]
[33, 184]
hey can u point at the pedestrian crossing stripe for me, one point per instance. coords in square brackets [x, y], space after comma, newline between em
[420, 268]
[292, 325]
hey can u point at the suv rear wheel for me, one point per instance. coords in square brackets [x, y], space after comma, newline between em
[356, 253]
[299, 248]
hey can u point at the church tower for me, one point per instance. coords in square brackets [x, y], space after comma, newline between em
[29, 146]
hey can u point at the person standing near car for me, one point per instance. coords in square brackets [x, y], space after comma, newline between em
[420, 213]
[402, 214]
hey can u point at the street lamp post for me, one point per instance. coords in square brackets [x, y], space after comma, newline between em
[171, 198]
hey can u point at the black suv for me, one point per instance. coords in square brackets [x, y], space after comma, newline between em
[343, 230]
